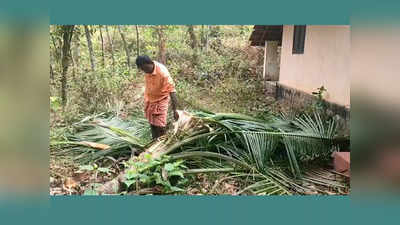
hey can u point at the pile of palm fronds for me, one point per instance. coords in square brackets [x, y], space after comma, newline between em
[99, 136]
[271, 151]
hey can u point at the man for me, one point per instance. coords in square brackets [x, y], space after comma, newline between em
[159, 89]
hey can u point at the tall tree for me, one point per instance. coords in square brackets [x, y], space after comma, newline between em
[193, 43]
[75, 52]
[128, 58]
[90, 47]
[57, 52]
[193, 39]
[137, 41]
[67, 32]
[102, 45]
[51, 73]
[161, 44]
[206, 34]
[111, 41]
[205, 30]
[76, 43]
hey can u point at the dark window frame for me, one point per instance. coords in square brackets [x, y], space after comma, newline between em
[299, 39]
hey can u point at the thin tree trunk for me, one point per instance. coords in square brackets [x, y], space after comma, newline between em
[207, 31]
[51, 73]
[112, 46]
[67, 36]
[193, 40]
[193, 43]
[128, 59]
[202, 38]
[102, 46]
[137, 40]
[56, 49]
[90, 47]
[161, 45]
[76, 49]
[73, 65]
[76, 53]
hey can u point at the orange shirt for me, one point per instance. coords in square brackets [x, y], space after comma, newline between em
[158, 84]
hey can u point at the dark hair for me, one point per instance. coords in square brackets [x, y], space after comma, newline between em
[143, 59]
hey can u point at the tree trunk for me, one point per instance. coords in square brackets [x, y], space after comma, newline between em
[193, 40]
[161, 45]
[112, 46]
[56, 49]
[76, 48]
[67, 32]
[51, 73]
[137, 40]
[193, 43]
[206, 45]
[73, 66]
[202, 38]
[128, 59]
[102, 46]
[205, 30]
[90, 47]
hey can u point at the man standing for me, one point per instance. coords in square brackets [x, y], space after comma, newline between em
[159, 89]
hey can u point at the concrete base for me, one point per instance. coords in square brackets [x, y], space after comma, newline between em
[284, 92]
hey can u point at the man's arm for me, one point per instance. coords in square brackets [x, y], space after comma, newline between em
[174, 102]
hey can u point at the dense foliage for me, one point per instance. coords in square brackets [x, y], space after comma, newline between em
[203, 60]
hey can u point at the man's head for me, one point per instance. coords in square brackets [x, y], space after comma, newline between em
[144, 63]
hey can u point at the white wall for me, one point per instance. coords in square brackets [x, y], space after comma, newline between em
[326, 61]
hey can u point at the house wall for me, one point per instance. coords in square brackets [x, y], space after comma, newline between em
[325, 62]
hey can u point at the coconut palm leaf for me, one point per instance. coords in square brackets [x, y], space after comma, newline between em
[315, 126]
[266, 186]
[120, 135]
[227, 139]
[260, 146]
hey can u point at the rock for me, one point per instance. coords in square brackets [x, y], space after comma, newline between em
[110, 187]
[113, 186]
[341, 162]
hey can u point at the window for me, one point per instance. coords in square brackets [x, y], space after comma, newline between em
[299, 37]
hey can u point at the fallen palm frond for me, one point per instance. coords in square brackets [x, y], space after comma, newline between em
[84, 143]
[121, 137]
[263, 183]
[228, 141]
